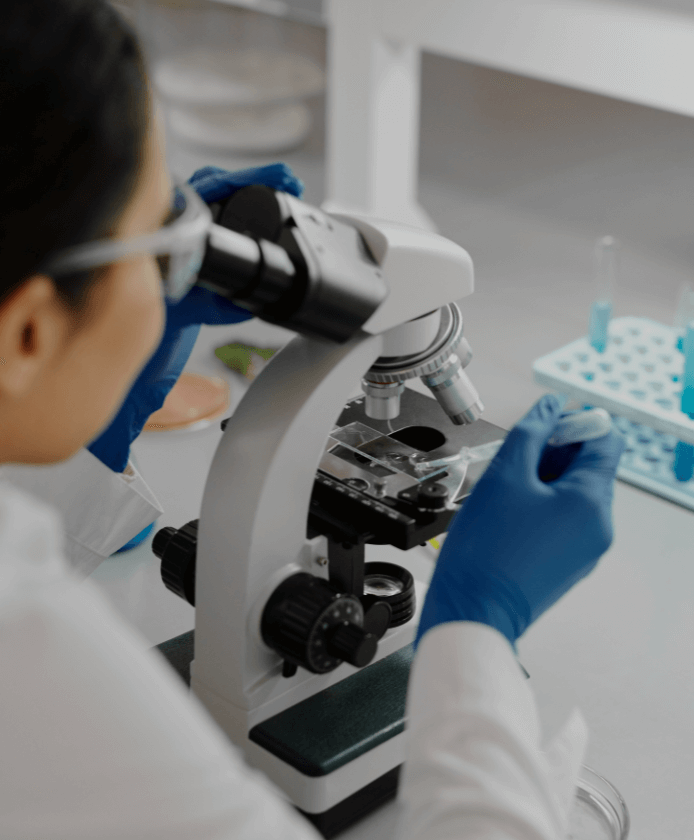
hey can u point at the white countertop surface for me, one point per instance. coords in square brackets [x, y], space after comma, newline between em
[621, 644]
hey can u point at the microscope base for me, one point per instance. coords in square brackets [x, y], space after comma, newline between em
[360, 804]
[319, 750]
[337, 754]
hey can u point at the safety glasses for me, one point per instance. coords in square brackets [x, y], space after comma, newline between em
[179, 246]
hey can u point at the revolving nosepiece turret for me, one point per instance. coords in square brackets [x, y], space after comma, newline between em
[440, 366]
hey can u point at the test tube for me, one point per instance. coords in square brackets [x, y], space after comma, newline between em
[606, 252]
[684, 452]
[581, 427]
[684, 461]
[684, 313]
[688, 375]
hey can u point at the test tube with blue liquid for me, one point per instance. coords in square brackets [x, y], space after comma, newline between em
[606, 252]
[684, 452]
[684, 314]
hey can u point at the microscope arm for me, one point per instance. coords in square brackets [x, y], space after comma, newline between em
[252, 530]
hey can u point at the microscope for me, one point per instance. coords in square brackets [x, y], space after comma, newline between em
[302, 649]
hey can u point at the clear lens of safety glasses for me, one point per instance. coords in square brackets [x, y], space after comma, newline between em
[178, 271]
[179, 246]
[180, 265]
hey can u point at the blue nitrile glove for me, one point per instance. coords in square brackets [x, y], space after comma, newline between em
[214, 184]
[520, 543]
[183, 321]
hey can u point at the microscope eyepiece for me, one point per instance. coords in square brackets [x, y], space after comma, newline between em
[291, 265]
[255, 273]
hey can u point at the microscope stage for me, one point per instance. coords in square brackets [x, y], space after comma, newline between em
[367, 484]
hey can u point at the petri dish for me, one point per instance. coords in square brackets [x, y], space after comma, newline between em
[599, 811]
[192, 404]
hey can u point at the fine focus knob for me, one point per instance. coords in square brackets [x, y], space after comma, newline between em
[176, 549]
[377, 618]
[308, 622]
[352, 644]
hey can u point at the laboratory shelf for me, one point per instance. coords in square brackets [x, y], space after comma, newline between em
[634, 50]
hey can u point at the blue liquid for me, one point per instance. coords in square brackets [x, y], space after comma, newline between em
[688, 377]
[600, 314]
[684, 461]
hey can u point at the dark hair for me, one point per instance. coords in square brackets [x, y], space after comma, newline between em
[73, 117]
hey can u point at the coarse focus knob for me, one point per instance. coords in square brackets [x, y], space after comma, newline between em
[309, 623]
[177, 549]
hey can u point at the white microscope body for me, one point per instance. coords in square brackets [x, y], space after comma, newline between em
[252, 532]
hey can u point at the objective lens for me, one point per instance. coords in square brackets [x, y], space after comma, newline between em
[454, 392]
[382, 399]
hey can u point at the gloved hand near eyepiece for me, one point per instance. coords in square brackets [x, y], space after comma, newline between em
[183, 321]
[520, 543]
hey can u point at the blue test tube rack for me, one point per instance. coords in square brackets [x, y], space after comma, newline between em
[647, 384]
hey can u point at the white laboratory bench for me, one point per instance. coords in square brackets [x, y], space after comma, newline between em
[525, 175]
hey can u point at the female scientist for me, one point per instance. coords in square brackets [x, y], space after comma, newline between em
[98, 739]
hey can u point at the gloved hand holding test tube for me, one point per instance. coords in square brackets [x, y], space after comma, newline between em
[529, 484]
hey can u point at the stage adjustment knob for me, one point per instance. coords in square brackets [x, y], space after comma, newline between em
[308, 622]
[176, 549]
[432, 496]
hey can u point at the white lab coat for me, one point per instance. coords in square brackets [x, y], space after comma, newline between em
[99, 739]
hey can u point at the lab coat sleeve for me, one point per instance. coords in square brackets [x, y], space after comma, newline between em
[101, 510]
[474, 768]
[99, 739]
